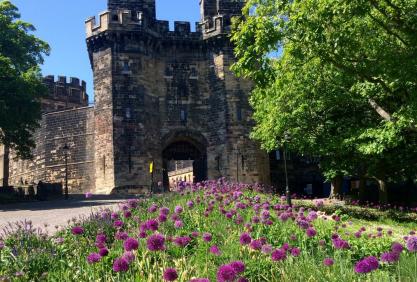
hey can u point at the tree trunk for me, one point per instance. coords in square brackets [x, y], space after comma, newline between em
[336, 189]
[383, 190]
[362, 187]
[6, 167]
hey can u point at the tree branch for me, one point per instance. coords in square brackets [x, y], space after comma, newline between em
[384, 114]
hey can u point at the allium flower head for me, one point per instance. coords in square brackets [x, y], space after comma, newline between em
[118, 223]
[279, 255]
[245, 239]
[390, 257]
[178, 210]
[120, 265]
[164, 210]
[266, 249]
[256, 245]
[238, 266]
[328, 261]
[190, 204]
[93, 258]
[103, 252]
[311, 232]
[152, 224]
[226, 273]
[178, 224]
[153, 208]
[77, 230]
[101, 239]
[367, 265]
[397, 247]
[156, 242]
[182, 241]
[207, 237]
[340, 244]
[170, 274]
[129, 257]
[412, 244]
[215, 250]
[131, 244]
[295, 252]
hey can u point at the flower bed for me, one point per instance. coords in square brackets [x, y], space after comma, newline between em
[210, 232]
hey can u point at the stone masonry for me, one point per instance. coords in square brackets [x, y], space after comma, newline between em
[156, 88]
[161, 95]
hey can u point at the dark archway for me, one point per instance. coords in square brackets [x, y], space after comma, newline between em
[185, 149]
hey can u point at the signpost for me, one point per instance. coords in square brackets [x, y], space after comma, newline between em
[151, 172]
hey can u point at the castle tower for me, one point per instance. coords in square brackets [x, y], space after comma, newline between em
[164, 95]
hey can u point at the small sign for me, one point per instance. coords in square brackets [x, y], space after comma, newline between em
[151, 167]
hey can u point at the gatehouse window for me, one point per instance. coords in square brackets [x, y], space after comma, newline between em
[128, 113]
[183, 116]
[126, 68]
[238, 113]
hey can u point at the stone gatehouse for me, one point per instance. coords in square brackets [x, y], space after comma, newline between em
[161, 96]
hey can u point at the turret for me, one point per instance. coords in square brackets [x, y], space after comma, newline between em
[216, 15]
[139, 8]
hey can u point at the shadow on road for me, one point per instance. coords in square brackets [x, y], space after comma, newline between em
[75, 201]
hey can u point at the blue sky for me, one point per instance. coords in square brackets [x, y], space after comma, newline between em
[61, 24]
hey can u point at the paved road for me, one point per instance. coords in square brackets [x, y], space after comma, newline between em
[54, 213]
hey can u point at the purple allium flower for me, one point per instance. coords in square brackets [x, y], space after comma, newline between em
[285, 246]
[303, 224]
[256, 245]
[390, 257]
[127, 214]
[129, 257]
[143, 234]
[93, 258]
[215, 250]
[77, 230]
[412, 244]
[366, 265]
[162, 218]
[207, 237]
[328, 261]
[131, 244]
[311, 232]
[120, 235]
[397, 247]
[156, 242]
[226, 273]
[245, 239]
[295, 252]
[238, 266]
[152, 224]
[114, 215]
[118, 223]
[178, 210]
[170, 274]
[266, 249]
[190, 204]
[88, 195]
[278, 255]
[120, 265]
[178, 224]
[101, 239]
[164, 210]
[256, 219]
[358, 234]
[340, 244]
[195, 234]
[153, 208]
[103, 252]
[182, 241]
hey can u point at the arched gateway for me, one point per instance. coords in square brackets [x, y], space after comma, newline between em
[163, 96]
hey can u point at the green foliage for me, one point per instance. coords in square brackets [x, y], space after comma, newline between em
[20, 80]
[338, 76]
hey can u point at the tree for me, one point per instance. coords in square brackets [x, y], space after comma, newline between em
[21, 87]
[340, 76]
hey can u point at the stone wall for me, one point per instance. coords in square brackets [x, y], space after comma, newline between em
[73, 127]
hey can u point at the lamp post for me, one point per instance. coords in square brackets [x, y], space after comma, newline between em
[237, 164]
[287, 187]
[66, 149]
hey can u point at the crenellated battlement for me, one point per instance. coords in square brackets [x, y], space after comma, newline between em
[64, 93]
[127, 20]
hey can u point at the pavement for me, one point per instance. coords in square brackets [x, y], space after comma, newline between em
[49, 214]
